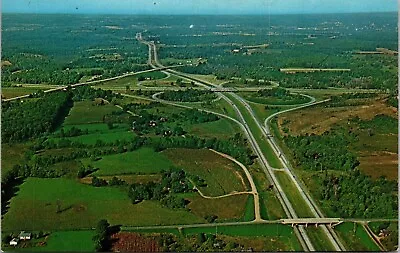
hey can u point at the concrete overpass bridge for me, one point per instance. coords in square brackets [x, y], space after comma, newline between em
[331, 222]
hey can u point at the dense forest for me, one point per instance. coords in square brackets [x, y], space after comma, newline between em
[71, 52]
[356, 195]
[323, 152]
[25, 119]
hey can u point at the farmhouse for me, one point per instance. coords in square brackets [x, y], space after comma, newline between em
[24, 235]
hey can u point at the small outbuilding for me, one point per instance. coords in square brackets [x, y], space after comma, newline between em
[24, 235]
[14, 242]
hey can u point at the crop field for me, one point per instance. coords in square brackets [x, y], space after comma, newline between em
[82, 206]
[355, 237]
[227, 208]
[221, 175]
[86, 112]
[142, 161]
[132, 242]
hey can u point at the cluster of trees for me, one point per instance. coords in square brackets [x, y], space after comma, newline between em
[349, 99]
[73, 131]
[22, 120]
[173, 181]
[323, 152]
[146, 122]
[199, 243]
[278, 96]
[86, 92]
[357, 195]
[102, 235]
[140, 92]
[85, 170]
[381, 123]
[189, 95]
[40, 166]
[139, 106]
[38, 76]
[98, 182]
[195, 116]
[235, 146]
[274, 92]
[114, 181]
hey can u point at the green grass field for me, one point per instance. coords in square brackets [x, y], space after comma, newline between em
[82, 206]
[270, 206]
[319, 239]
[222, 128]
[70, 241]
[228, 208]
[91, 139]
[293, 195]
[249, 214]
[262, 113]
[131, 80]
[141, 161]
[85, 112]
[96, 128]
[221, 175]
[276, 101]
[11, 92]
[130, 179]
[12, 154]
[60, 241]
[355, 237]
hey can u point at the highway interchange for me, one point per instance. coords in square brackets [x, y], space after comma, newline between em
[238, 103]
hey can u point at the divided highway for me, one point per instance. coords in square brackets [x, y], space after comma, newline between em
[290, 212]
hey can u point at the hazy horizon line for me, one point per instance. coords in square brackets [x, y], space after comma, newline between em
[197, 14]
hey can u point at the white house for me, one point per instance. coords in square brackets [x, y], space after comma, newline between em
[14, 242]
[24, 235]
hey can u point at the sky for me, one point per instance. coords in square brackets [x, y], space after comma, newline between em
[197, 6]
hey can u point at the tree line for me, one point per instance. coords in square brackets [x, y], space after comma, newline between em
[189, 95]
